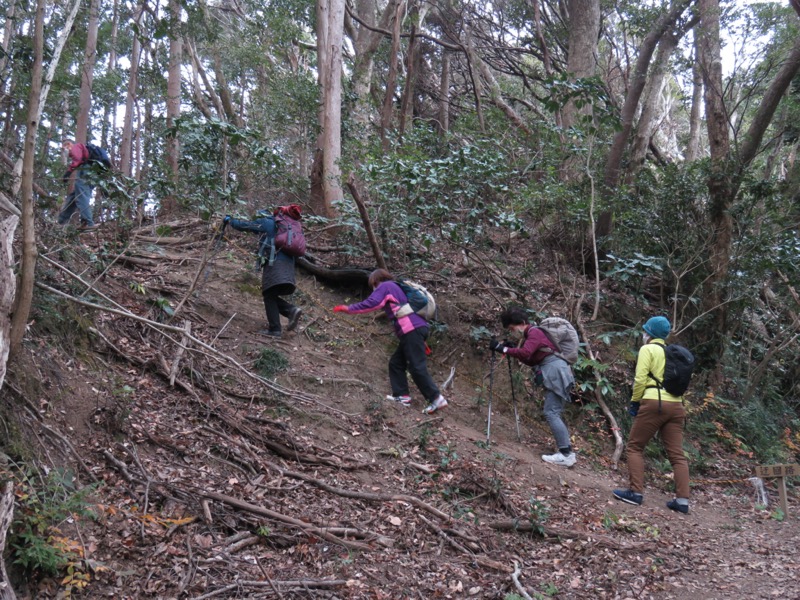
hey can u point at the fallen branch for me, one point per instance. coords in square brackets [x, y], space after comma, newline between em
[187, 325]
[301, 585]
[303, 526]
[444, 536]
[515, 578]
[367, 496]
[606, 542]
[449, 381]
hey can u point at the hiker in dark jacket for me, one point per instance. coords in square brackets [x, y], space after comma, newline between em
[537, 351]
[412, 331]
[655, 411]
[277, 279]
[79, 189]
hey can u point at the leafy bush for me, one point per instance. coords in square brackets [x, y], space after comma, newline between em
[270, 362]
[34, 540]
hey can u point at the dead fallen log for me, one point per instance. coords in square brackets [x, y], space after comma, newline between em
[339, 276]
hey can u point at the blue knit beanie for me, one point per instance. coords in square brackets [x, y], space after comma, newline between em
[657, 327]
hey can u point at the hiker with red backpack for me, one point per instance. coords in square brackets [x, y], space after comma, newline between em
[552, 370]
[655, 410]
[281, 241]
[79, 189]
[412, 331]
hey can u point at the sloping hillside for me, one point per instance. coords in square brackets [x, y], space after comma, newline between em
[218, 463]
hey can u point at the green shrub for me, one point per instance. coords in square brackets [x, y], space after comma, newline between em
[270, 362]
[35, 541]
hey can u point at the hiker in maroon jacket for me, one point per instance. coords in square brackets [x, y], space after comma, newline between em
[80, 190]
[412, 331]
[551, 371]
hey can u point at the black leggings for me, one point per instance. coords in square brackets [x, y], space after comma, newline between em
[410, 356]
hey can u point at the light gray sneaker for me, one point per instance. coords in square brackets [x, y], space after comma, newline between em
[560, 459]
[437, 404]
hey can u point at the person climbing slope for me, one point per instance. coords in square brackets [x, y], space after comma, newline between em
[277, 276]
[412, 331]
[539, 352]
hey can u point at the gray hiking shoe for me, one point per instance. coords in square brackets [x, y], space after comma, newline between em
[563, 460]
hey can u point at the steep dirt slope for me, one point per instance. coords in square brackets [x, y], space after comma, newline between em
[308, 484]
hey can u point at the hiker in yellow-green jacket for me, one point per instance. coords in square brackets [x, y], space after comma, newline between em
[655, 411]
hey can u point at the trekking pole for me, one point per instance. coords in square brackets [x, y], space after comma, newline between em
[220, 235]
[491, 384]
[513, 397]
[214, 249]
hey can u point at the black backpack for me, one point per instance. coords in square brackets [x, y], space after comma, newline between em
[97, 156]
[678, 369]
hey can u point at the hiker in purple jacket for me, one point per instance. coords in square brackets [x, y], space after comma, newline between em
[412, 331]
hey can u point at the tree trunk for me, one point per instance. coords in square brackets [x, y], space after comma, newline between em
[8, 32]
[638, 79]
[169, 205]
[648, 120]
[537, 18]
[45, 86]
[6, 518]
[199, 71]
[769, 104]
[8, 285]
[82, 133]
[584, 30]
[406, 104]
[108, 135]
[719, 183]
[693, 148]
[473, 77]
[365, 44]
[22, 303]
[126, 144]
[727, 172]
[391, 78]
[497, 97]
[443, 126]
[225, 96]
[332, 123]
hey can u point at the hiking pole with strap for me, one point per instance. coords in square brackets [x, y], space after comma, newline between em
[220, 235]
[214, 249]
[513, 397]
[491, 384]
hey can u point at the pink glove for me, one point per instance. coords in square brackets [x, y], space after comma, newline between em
[340, 308]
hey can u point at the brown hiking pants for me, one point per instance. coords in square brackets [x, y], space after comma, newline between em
[669, 423]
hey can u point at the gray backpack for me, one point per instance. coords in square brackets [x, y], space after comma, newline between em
[564, 337]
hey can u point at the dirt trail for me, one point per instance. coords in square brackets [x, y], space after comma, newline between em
[224, 441]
